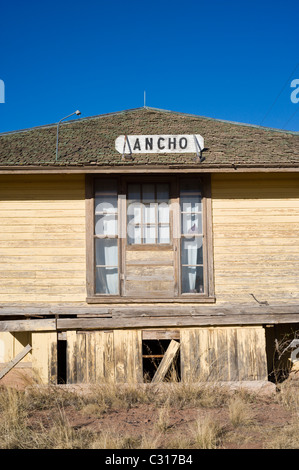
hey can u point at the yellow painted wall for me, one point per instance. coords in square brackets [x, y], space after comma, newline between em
[42, 238]
[256, 237]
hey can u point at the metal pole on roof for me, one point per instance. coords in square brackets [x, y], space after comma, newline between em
[78, 114]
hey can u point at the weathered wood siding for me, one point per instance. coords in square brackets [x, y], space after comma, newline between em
[44, 357]
[42, 238]
[256, 242]
[223, 354]
[216, 353]
[149, 273]
[104, 356]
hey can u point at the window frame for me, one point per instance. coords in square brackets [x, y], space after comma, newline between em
[175, 242]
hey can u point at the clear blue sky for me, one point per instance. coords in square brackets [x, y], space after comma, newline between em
[224, 59]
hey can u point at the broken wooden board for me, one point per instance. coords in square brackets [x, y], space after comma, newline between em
[165, 364]
[15, 361]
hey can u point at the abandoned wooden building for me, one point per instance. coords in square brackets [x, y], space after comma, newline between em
[147, 242]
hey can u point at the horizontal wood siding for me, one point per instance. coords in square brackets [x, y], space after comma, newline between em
[255, 237]
[224, 353]
[149, 273]
[42, 238]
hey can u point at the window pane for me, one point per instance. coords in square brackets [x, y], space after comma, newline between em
[163, 192]
[192, 279]
[106, 225]
[134, 234]
[191, 252]
[148, 192]
[107, 281]
[148, 208]
[149, 234]
[190, 187]
[191, 203]
[149, 213]
[134, 212]
[191, 223]
[163, 213]
[106, 252]
[106, 186]
[106, 204]
[106, 196]
[163, 234]
[134, 192]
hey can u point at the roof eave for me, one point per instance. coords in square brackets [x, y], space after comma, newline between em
[224, 168]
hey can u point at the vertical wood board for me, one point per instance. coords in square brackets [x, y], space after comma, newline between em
[223, 353]
[44, 357]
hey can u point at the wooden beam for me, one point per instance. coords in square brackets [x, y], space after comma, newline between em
[28, 325]
[160, 334]
[15, 361]
[98, 169]
[172, 309]
[142, 300]
[165, 364]
[66, 309]
[170, 322]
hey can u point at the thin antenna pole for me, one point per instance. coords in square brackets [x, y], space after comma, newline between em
[144, 98]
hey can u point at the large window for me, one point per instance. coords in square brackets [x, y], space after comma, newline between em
[149, 238]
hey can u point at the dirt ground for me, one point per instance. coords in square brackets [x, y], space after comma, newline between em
[254, 420]
[267, 420]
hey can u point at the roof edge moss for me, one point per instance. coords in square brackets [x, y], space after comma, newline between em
[179, 113]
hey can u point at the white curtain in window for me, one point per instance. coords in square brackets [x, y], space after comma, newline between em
[191, 247]
[107, 259]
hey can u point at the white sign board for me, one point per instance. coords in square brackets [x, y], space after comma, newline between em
[127, 144]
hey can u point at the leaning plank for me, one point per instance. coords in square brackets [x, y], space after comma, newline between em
[166, 361]
[15, 361]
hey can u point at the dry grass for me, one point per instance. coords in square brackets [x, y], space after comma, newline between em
[38, 417]
[287, 438]
[18, 430]
[206, 433]
[289, 395]
[239, 412]
[162, 422]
